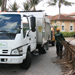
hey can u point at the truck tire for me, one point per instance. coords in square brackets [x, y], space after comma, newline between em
[41, 50]
[26, 62]
[53, 43]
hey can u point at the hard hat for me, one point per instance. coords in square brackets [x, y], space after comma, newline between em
[57, 29]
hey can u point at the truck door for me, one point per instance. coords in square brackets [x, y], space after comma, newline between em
[32, 40]
[25, 31]
[32, 37]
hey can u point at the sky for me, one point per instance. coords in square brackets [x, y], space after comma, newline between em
[49, 10]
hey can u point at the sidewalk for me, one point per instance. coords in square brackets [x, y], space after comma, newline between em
[41, 65]
[69, 38]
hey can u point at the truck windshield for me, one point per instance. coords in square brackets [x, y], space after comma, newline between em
[10, 23]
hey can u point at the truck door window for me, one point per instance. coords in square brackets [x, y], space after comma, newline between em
[25, 26]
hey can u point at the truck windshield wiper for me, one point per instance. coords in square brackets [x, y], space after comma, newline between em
[4, 31]
[18, 29]
[7, 32]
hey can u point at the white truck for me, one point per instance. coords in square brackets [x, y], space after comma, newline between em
[20, 34]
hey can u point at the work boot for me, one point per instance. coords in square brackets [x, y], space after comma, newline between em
[57, 52]
[60, 54]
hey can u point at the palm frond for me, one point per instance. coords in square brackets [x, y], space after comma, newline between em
[51, 4]
[62, 1]
[14, 6]
[55, 1]
[26, 6]
[66, 3]
[34, 3]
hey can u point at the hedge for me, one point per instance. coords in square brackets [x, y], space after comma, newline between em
[68, 34]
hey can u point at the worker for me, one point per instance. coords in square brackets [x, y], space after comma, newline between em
[59, 46]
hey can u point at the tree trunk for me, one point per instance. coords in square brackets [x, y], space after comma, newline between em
[59, 13]
[5, 4]
[34, 8]
[2, 8]
[59, 9]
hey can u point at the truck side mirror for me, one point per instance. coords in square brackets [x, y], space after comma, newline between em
[33, 23]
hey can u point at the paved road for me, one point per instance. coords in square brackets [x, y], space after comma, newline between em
[41, 65]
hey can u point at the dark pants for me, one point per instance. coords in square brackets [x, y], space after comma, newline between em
[59, 50]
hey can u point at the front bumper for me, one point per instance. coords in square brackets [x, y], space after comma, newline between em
[12, 59]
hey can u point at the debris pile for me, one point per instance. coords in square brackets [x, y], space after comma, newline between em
[68, 60]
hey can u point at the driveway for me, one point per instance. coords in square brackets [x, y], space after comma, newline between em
[41, 65]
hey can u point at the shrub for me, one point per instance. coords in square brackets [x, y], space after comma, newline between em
[68, 34]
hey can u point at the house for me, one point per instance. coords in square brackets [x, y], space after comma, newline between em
[72, 15]
[65, 23]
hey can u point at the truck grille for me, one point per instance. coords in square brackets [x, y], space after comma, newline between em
[4, 51]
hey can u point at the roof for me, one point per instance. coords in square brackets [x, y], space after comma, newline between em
[65, 14]
[49, 17]
[72, 14]
[62, 17]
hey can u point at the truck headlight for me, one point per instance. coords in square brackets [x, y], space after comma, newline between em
[17, 51]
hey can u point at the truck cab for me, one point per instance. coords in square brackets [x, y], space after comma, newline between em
[20, 34]
[15, 37]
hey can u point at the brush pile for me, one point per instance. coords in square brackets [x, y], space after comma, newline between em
[68, 60]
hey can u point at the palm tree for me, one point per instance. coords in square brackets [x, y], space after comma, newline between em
[26, 6]
[60, 2]
[14, 6]
[0, 2]
[34, 3]
[3, 5]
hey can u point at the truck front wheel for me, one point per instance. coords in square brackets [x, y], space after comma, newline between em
[53, 43]
[26, 62]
